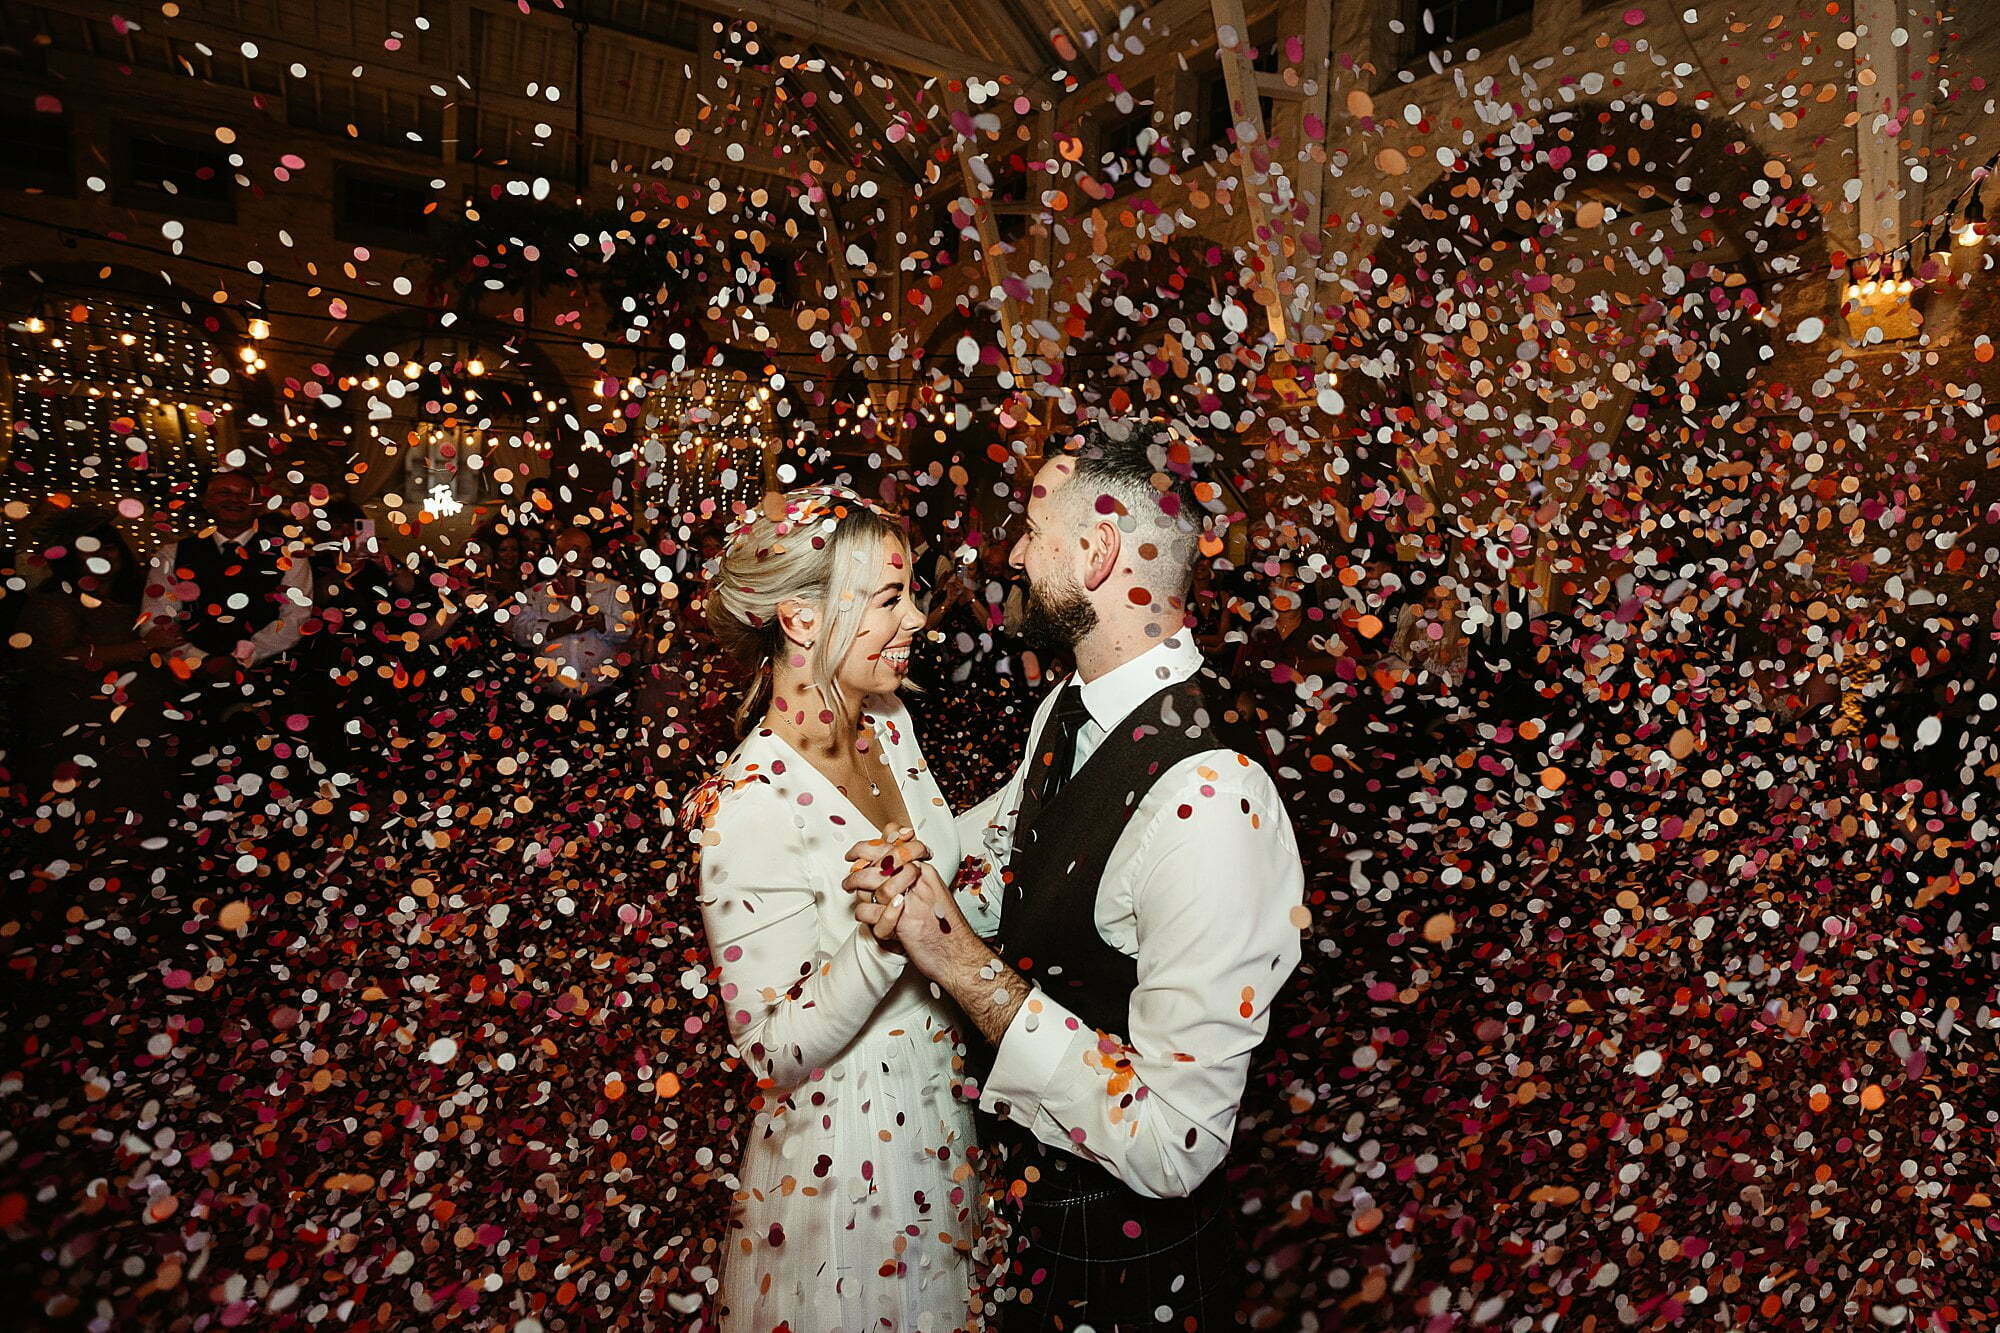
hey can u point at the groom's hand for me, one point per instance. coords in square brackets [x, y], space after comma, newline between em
[933, 932]
[939, 940]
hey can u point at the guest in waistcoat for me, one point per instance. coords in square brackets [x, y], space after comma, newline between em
[225, 605]
[1150, 892]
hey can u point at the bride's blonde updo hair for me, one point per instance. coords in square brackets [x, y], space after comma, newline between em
[820, 545]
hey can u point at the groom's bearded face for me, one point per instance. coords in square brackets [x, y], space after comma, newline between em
[1057, 616]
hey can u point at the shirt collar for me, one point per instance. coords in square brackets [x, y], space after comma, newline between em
[236, 538]
[1113, 695]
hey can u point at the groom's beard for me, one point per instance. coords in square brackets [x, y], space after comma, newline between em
[1056, 620]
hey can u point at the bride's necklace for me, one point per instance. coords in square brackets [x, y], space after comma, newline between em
[874, 787]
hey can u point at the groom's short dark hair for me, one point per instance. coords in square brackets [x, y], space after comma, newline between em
[1150, 466]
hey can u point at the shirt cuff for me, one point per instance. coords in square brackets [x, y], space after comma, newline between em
[1032, 1049]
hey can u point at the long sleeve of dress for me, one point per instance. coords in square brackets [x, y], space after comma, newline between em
[982, 835]
[793, 1006]
[613, 601]
[528, 614]
[159, 605]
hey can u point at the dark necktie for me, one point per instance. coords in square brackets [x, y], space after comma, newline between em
[1056, 754]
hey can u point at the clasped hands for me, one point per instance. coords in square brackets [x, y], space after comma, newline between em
[904, 902]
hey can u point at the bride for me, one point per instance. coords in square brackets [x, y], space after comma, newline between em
[857, 1208]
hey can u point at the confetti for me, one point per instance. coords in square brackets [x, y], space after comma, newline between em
[1595, 424]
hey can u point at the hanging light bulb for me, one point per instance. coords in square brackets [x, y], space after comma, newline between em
[475, 367]
[36, 324]
[259, 327]
[411, 370]
[1974, 225]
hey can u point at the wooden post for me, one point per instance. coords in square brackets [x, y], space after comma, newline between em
[1268, 202]
[853, 313]
[1042, 221]
[990, 252]
[1310, 153]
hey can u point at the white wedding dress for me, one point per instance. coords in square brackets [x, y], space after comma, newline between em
[857, 1208]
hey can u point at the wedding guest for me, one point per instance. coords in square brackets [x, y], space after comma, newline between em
[226, 604]
[94, 722]
[576, 621]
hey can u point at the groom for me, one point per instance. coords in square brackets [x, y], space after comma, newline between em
[1149, 899]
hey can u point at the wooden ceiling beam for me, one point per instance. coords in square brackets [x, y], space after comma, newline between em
[559, 25]
[1029, 49]
[850, 112]
[1265, 190]
[656, 137]
[1167, 32]
[853, 310]
[875, 42]
[1013, 329]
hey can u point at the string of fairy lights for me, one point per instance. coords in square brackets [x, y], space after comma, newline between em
[118, 401]
[114, 401]
[704, 435]
[1961, 225]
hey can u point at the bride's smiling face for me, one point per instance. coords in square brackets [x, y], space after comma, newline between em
[879, 660]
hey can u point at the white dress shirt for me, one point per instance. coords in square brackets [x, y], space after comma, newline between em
[581, 661]
[166, 598]
[1210, 904]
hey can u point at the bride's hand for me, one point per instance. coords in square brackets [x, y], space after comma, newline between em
[882, 870]
[882, 920]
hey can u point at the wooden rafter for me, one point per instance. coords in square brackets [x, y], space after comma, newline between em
[850, 113]
[1167, 33]
[871, 41]
[1012, 330]
[1301, 96]
[1041, 180]
[1029, 50]
[458, 81]
[1266, 191]
[854, 312]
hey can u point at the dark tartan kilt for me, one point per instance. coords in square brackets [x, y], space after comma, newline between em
[1071, 1263]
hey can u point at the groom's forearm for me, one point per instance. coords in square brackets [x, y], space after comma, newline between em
[988, 991]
